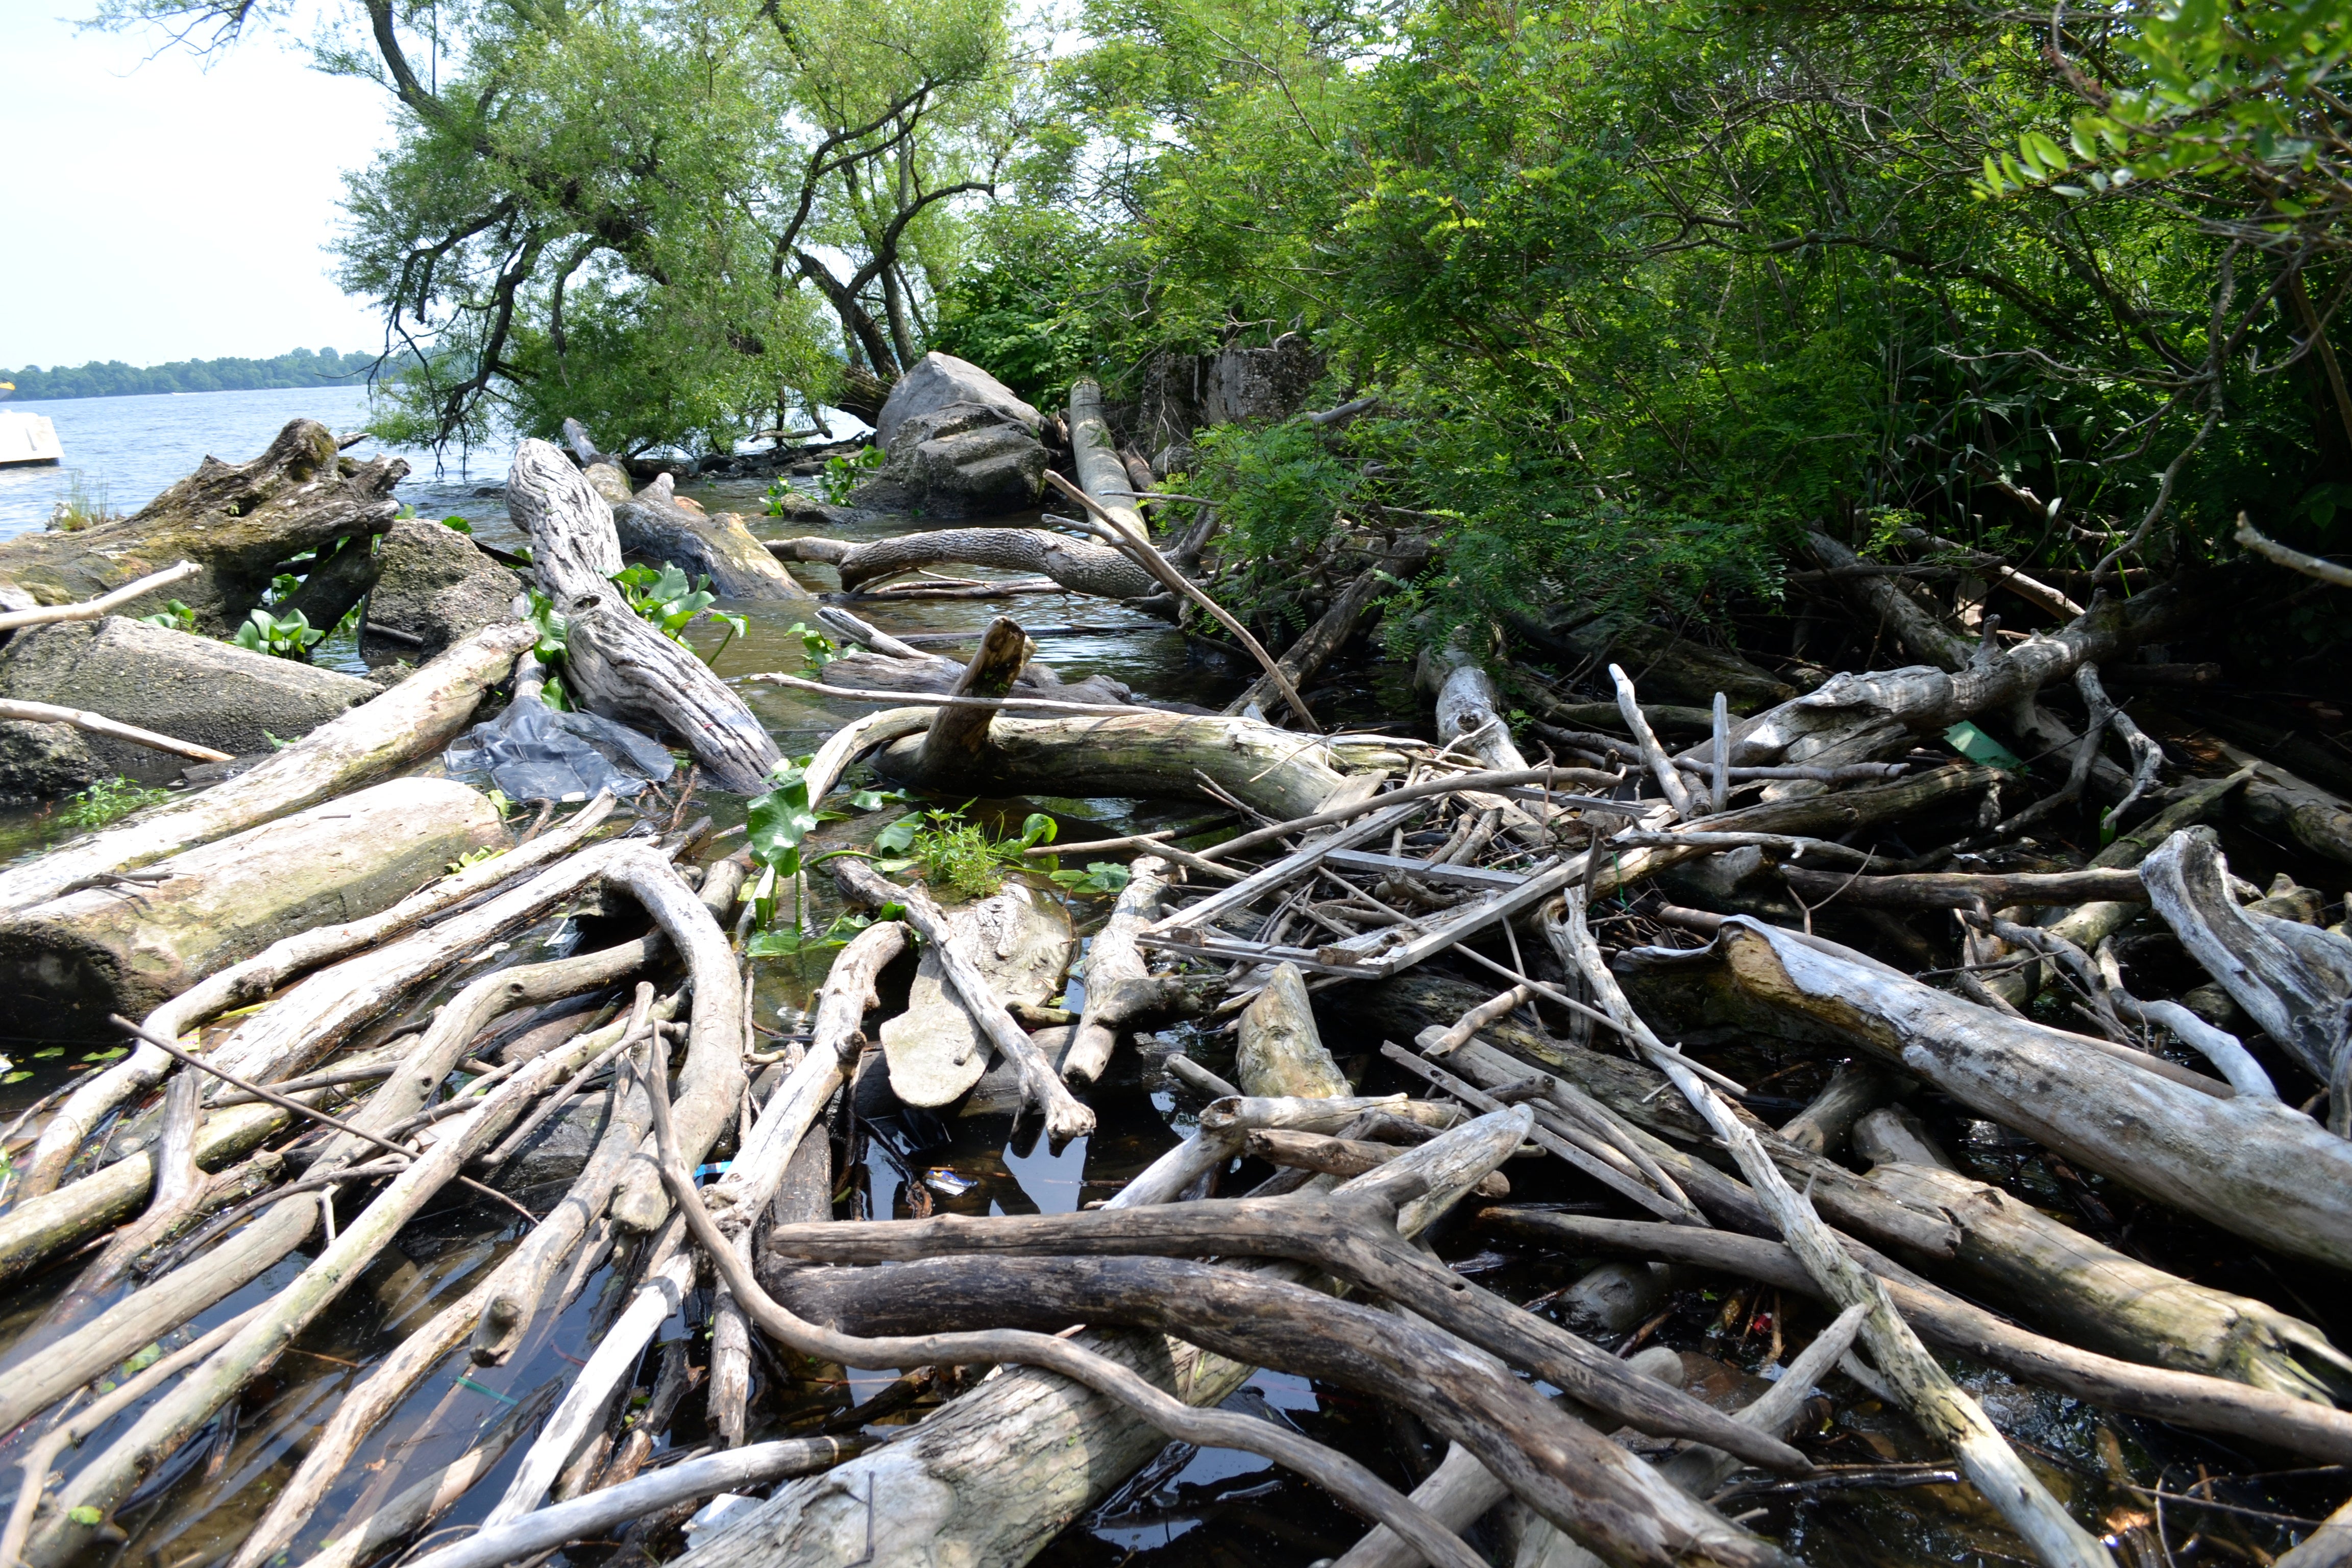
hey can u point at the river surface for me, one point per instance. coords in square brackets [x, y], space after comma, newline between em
[1189, 1508]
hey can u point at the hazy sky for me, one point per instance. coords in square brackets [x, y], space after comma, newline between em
[157, 211]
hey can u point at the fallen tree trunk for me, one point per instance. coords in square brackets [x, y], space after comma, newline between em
[1281, 1054]
[653, 523]
[412, 720]
[1304, 658]
[1278, 771]
[2100, 1298]
[1095, 457]
[1961, 890]
[615, 664]
[2247, 1164]
[1922, 633]
[1081, 565]
[1353, 1239]
[238, 522]
[127, 947]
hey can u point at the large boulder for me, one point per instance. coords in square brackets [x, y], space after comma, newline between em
[176, 683]
[966, 459]
[44, 762]
[937, 381]
[432, 584]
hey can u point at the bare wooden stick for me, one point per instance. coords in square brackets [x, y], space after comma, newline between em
[613, 1358]
[1448, 784]
[99, 724]
[523, 1273]
[419, 1505]
[172, 1420]
[1662, 767]
[584, 1518]
[2271, 550]
[100, 608]
[1151, 560]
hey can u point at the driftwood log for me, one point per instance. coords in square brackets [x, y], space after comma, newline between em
[655, 524]
[1278, 772]
[1589, 1487]
[1041, 1086]
[413, 719]
[2295, 980]
[1354, 1238]
[997, 1473]
[238, 522]
[1333, 630]
[617, 664]
[2204, 1403]
[2248, 1164]
[1019, 943]
[126, 946]
[257, 976]
[1081, 565]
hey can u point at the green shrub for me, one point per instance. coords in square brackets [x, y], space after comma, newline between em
[106, 801]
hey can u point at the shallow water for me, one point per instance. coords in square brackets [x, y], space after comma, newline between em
[1190, 1507]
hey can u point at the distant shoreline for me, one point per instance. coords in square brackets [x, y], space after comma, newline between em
[302, 370]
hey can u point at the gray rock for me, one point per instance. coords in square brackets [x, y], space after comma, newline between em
[431, 583]
[44, 762]
[1615, 1298]
[1259, 386]
[967, 459]
[558, 1149]
[937, 381]
[176, 683]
